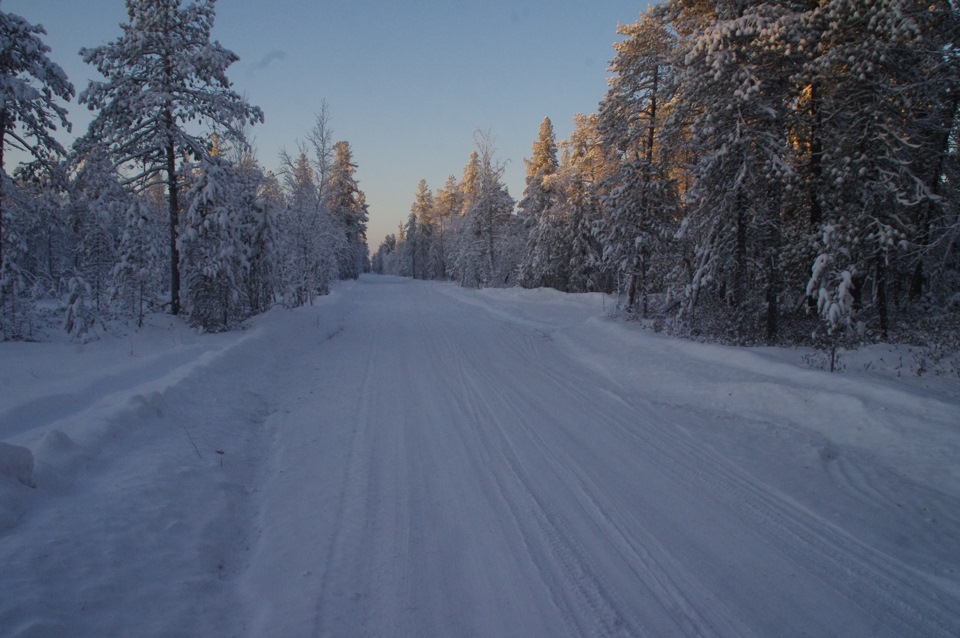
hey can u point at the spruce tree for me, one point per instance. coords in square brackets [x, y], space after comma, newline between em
[346, 203]
[424, 254]
[488, 254]
[447, 207]
[539, 196]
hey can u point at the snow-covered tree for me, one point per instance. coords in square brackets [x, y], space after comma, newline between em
[322, 142]
[30, 87]
[448, 205]
[97, 208]
[585, 169]
[140, 258]
[410, 248]
[384, 259]
[259, 209]
[162, 75]
[309, 237]
[642, 203]
[884, 130]
[541, 194]
[491, 240]
[736, 74]
[421, 233]
[214, 257]
[46, 257]
[346, 203]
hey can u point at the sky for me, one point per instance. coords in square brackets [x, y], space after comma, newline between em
[407, 83]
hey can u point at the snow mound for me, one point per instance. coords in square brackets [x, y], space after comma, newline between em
[58, 459]
[56, 444]
[16, 477]
[16, 462]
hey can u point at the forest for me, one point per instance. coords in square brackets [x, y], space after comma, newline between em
[161, 205]
[758, 172]
[772, 172]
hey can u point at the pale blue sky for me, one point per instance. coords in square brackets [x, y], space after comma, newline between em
[407, 82]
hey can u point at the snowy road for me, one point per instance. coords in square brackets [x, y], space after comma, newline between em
[412, 459]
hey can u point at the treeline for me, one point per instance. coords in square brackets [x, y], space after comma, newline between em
[161, 205]
[466, 232]
[773, 171]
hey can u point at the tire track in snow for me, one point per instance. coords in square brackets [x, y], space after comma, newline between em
[876, 583]
[843, 562]
[584, 493]
[593, 598]
[493, 460]
[352, 490]
[669, 583]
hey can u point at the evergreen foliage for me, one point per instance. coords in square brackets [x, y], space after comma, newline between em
[162, 73]
[346, 203]
[773, 172]
[168, 140]
[30, 85]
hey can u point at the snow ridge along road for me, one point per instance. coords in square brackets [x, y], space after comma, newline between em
[414, 459]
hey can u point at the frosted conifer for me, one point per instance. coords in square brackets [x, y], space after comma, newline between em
[163, 72]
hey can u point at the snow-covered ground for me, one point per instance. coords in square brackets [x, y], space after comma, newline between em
[414, 459]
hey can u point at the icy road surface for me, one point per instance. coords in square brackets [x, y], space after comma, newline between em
[413, 459]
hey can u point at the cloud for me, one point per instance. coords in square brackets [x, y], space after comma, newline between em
[269, 59]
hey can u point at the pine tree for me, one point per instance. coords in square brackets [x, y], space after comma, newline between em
[642, 201]
[47, 256]
[585, 169]
[884, 132]
[933, 264]
[462, 246]
[737, 74]
[470, 182]
[162, 73]
[384, 259]
[30, 85]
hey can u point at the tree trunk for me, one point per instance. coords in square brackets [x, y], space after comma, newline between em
[816, 158]
[174, 221]
[651, 131]
[3, 130]
[916, 281]
[773, 297]
[942, 151]
[644, 293]
[882, 293]
[443, 256]
[740, 258]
